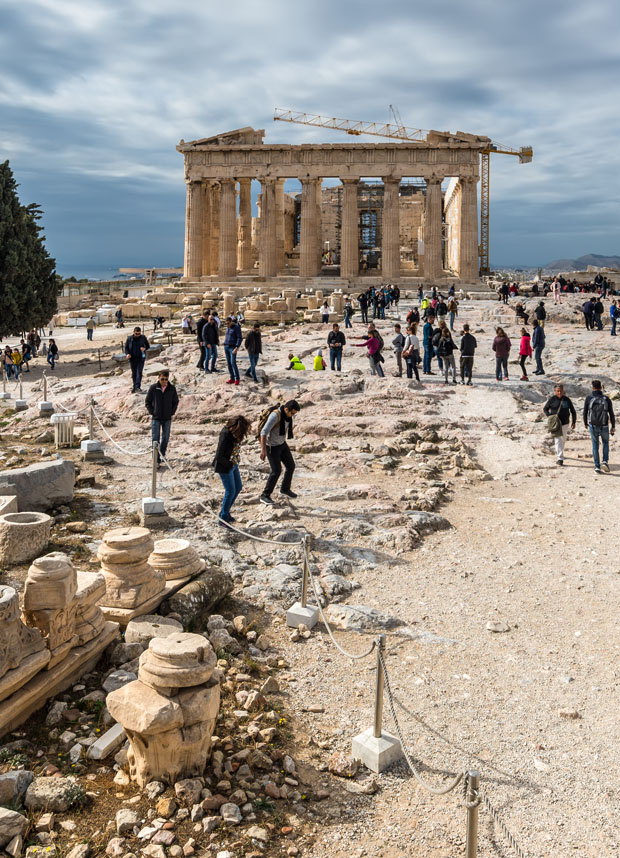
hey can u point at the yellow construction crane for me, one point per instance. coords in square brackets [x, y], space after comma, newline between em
[399, 131]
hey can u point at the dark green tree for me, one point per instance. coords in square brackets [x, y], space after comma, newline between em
[29, 286]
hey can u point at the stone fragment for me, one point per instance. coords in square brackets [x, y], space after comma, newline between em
[569, 714]
[56, 712]
[126, 821]
[176, 558]
[23, 536]
[14, 848]
[231, 814]
[117, 679]
[359, 618]
[45, 822]
[40, 486]
[130, 581]
[210, 823]
[240, 623]
[13, 786]
[188, 791]
[165, 837]
[106, 744]
[49, 604]
[197, 599]
[271, 790]
[254, 702]
[154, 850]
[12, 824]
[342, 766]
[257, 833]
[50, 793]
[116, 847]
[497, 627]
[142, 630]
[89, 619]
[153, 789]
[270, 686]
[80, 850]
[166, 807]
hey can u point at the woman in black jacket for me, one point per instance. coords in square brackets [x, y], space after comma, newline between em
[226, 463]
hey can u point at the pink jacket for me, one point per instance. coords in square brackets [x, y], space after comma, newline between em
[372, 343]
[525, 348]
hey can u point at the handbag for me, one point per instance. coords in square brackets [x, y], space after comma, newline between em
[554, 424]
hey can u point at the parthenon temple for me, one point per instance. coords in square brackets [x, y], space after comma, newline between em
[419, 223]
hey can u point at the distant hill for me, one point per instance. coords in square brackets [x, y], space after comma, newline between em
[582, 262]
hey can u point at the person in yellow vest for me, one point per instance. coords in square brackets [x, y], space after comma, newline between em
[294, 362]
[319, 363]
[17, 361]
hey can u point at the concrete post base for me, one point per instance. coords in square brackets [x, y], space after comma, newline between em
[153, 506]
[296, 616]
[5, 395]
[21, 405]
[45, 407]
[376, 753]
[91, 446]
[155, 521]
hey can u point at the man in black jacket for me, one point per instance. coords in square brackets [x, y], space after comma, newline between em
[468, 348]
[211, 340]
[336, 341]
[202, 321]
[561, 405]
[254, 346]
[162, 402]
[135, 351]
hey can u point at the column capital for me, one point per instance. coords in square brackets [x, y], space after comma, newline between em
[268, 180]
[434, 179]
[468, 180]
[228, 181]
[349, 181]
[389, 180]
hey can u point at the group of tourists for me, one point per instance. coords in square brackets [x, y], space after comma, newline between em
[208, 332]
[16, 359]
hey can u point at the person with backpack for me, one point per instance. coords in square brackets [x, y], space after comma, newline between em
[468, 348]
[538, 344]
[226, 464]
[162, 401]
[559, 411]
[501, 347]
[540, 313]
[445, 350]
[275, 426]
[52, 353]
[348, 312]
[525, 352]
[374, 344]
[254, 346]
[336, 342]
[599, 419]
[411, 352]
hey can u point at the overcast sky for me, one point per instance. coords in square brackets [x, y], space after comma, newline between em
[95, 95]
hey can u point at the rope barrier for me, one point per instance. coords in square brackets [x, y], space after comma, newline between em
[117, 445]
[502, 826]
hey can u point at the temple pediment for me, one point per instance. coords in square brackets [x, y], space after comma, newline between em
[247, 136]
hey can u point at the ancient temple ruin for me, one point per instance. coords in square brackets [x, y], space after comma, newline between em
[387, 212]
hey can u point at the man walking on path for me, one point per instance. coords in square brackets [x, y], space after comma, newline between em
[598, 414]
[468, 348]
[161, 402]
[588, 314]
[273, 436]
[90, 327]
[363, 302]
[562, 406]
[254, 347]
[135, 351]
[398, 343]
[613, 315]
[232, 341]
[211, 340]
[538, 344]
[598, 311]
[202, 321]
[427, 342]
[336, 341]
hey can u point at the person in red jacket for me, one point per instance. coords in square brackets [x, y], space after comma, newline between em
[501, 347]
[525, 352]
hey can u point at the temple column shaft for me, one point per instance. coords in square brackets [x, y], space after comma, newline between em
[279, 200]
[214, 199]
[468, 256]
[308, 254]
[349, 234]
[228, 229]
[206, 230]
[192, 267]
[432, 230]
[244, 249]
[319, 226]
[390, 250]
[267, 259]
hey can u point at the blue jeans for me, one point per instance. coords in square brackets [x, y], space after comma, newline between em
[160, 432]
[232, 486]
[538, 358]
[428, 356]
[251, 371]
[451, 320]
[335, 359]
[347, 321]
[51, 359]
[613, 327]
[601, 432]
[231, 362]
[89, 333]
[210, 356]
[137, 366]
[598, 321]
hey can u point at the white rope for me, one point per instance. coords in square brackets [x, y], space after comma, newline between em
[116, 444]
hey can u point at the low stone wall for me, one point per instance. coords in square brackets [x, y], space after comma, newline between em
[41, 486]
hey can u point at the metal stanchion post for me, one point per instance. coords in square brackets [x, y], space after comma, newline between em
[302, 613]
[471, 843]
[154, 472]
[91, 421]
[304, 583]
[99, 358]
[45, 407]
[379, 690]
[44, 387]
[20, 402]
[21, 388]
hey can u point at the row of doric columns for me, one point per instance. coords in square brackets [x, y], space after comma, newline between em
[218, 242]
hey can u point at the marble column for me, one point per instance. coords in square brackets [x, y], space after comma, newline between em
[214, 206]
[319, 226]
[349, 235]
[390, 247]
[279, 225]
[469, 265]
[228, 229]
[244, 249]
[206, 230]
[192, 268]
[268, 254]
[308, 254]
[433, 267]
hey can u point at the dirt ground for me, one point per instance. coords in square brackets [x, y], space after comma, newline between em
[531, 547]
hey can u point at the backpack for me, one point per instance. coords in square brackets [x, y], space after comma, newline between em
[598, 411]
[554, 424]
[444, 347]
[264, 416]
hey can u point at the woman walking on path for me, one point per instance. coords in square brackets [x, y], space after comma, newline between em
[411, 352]
[525, 352]
[226, 463]
[501, 347]
[562, 406]
[446, 349]
[52, 353]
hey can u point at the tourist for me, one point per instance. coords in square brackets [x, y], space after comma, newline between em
[135, 352]
[538, 344]
[232, 341]
[336, 341]
[185, 325]
[381, 304]
[395, 292]
[226, 464]
[525, 352]
[522, 314]
[436, 338]
[254, 347]
[216, 318]
[413, 316]
[325, 313]
[597, 311]
[119, 319]
[90, 328]
[420, 295]
[17, 361]
[467, 348]
[375, 359]
[613, 315]
[501, 347]
[362, 300]
[295, 363]
[52, 354]
[446, 349]
[398, 344]
[210, 340]
[161, 403]
[411, 352]
[598, 414]
[540, 313]
[26, 355]
[562, 406]
[557, 292]
[453, 310]
[202, 321]
[273, 437]
[588, 314]
[319, 362]
[504, 292]
[441, 311]
[8, 363]
[31, 339]
[348, 312]
[427, 342]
